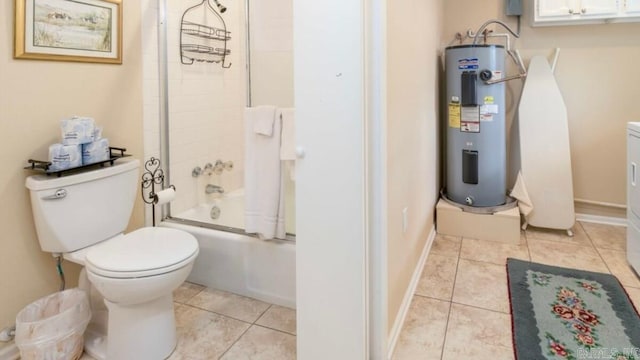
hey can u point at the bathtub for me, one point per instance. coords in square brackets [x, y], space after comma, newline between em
[236, 262]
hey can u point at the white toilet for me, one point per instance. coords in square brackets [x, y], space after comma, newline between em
[82, 216]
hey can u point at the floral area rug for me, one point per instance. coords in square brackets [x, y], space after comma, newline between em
[560, 313]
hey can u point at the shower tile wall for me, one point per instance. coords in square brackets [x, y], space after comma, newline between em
[206, 103]
[272, 52]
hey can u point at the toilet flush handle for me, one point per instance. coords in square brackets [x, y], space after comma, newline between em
[59, 194]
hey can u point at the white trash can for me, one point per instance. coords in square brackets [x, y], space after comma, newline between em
[52, 328]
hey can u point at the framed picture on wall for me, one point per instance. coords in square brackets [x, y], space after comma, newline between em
[69, 30]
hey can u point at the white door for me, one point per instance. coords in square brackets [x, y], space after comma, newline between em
[556, 8]
[632, 7]
[331, 282]
[598, 7]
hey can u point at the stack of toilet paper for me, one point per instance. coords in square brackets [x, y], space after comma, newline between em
[81, 144]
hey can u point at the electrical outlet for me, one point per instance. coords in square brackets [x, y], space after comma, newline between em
[405, 219]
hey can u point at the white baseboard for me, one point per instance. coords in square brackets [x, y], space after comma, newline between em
[408, 295]
[9, 352]
[608, 220]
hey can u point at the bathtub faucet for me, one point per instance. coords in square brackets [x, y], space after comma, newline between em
[211, 189]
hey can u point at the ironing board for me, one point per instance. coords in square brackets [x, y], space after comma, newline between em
[545, 152]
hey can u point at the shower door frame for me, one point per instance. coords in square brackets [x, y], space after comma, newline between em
[165, 155]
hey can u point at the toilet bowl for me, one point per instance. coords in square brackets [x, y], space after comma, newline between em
[135, 275]
[130, 277]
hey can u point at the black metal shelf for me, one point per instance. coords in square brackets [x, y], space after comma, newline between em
[202, 49]
[204, 31]
[38, 165]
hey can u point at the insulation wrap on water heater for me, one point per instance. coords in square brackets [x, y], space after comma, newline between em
[475, 125]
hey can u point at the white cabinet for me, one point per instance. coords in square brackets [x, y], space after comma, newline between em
[597, 7]
[555, 8]
[576, 8]
[571, 12]
[632, 7]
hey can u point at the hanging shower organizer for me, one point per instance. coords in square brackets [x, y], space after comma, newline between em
[203, 42]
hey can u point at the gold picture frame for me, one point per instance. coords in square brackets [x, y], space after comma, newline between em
[69, 30]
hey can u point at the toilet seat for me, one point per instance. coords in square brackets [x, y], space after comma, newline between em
[144, 252]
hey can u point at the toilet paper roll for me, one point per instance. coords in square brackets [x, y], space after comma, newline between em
[164, 196]
[77, 130]
[64, 157]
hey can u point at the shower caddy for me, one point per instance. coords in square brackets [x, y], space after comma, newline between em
[210, 38]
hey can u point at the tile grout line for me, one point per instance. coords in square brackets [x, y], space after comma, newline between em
[455, 277]
[241, 335]
[247, 330]
[586, 234]
[224, 316]
[190, 297]
[235, 342]
[219, 314]
[554, 231]
[250, 324]
[481, 308]
[526, 238]
[274, 329]
[597, 251]
[262, 314]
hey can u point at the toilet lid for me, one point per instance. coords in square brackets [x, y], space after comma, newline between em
[144, 252]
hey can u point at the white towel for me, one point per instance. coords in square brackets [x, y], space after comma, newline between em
[263, 181]
[263, 119]
[288, 146]
[520, 193]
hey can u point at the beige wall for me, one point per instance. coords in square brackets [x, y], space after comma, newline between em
[598, 79]
[413, 44]
[34, 96]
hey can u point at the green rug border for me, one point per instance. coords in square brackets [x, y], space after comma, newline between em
[519, 296]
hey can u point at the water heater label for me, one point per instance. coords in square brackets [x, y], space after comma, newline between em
[488, 109]
[454, 115]
[470, 119]
[468, 64]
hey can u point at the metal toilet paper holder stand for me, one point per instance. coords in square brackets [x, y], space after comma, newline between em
[153, 175]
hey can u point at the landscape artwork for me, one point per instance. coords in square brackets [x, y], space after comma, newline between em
[72, 28]
[72, 25]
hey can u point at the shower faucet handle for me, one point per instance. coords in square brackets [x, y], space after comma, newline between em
[218, 168]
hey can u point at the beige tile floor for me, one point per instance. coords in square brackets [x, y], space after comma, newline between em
[213, 324]
[460, 309]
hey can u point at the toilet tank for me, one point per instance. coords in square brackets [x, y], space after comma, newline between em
[75, 211]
